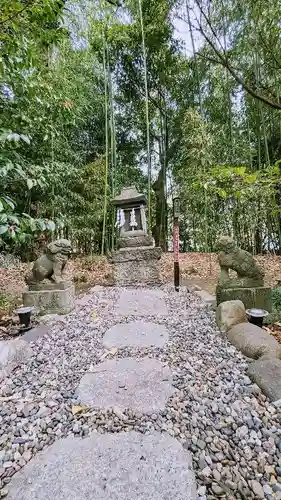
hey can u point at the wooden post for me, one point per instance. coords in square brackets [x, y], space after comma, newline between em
[176, 243]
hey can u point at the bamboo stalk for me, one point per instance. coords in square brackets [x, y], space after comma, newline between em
[249, 143]
[112, 151]
[147, 116]
[106, 145]
[195, 59]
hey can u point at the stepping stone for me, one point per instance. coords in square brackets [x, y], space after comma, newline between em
[141, 385]
[141, 302]
[36, 333]
[121, 466]
[138, 333]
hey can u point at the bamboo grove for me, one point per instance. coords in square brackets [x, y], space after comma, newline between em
[97, 95]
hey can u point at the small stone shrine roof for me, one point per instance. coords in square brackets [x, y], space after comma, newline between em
[129, 195]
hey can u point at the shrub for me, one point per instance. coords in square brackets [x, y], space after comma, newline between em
[276, 298]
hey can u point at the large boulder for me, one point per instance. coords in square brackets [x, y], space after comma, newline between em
[253, 341]
[230, 313]
[266, 373]
[12, 354]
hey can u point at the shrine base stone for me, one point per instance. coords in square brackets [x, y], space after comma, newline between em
[52, 300]
[137, 266]
[259, 297]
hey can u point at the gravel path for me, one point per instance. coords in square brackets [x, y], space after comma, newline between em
[232, 431]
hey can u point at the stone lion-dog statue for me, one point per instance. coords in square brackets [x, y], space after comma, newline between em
[51, 264]
[243, 263]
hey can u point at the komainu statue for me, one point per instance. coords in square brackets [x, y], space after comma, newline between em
[232, 257]
[51, 264]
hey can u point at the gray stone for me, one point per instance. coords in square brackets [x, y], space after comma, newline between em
[138, 265]
[206, 297]
[62, 285]
[144, 240]
[121, 466]
[139, 334]
[147, 385]
[12, 354]
[129, 195]
[146, 272]
[56, 301]
[36, 333]
[217, 489]
[266, 373]
[267, 489]
[253, 341]
[230, 313]
[141, 302]
[137, 254]
[258, 297]
[257, 489]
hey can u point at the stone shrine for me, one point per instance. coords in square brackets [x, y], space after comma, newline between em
[48, 292]
[137, 259]
[248, 286]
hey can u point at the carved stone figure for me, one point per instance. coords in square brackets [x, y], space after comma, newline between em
[248, 286]
[51, 264]
[232, 257]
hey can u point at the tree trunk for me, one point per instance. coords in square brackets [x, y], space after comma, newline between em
[161, 223]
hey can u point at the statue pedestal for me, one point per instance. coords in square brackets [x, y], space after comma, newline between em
[259, 297]
[51, 298]
[137, 265]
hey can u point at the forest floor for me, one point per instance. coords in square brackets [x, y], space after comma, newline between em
[200, 269]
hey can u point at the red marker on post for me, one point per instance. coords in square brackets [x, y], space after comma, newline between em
[176, 243]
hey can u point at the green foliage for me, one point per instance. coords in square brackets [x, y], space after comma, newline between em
[276, 298]
[214, 139]
[7, 304]
[19, 230]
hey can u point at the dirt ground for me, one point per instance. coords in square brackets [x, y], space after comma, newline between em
[195, 268]
[203, 269]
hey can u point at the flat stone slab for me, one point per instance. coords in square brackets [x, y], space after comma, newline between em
[36, 333]
[125, 466]
[138, 333]
[13, 353]
[141, 302]
[143, 385]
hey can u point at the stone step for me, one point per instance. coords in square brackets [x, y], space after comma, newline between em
[136, 334]
[142, 385]
[141, 302]
[125, 466]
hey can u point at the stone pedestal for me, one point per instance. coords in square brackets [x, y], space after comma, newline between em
[51, 298]
[259, 297]
[137, 265]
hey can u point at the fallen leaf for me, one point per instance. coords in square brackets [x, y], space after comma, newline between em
[108, 353]
[94, 316]
[78, 409]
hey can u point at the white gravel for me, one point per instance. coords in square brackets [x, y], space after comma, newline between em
[226, 422]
